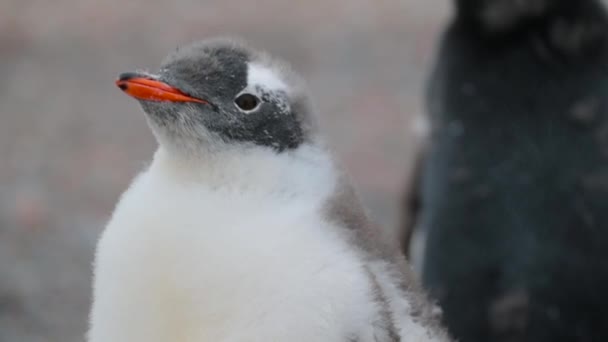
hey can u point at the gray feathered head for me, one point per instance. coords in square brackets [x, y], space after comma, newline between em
[220, 92]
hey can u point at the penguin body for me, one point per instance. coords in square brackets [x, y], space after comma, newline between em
[243, 228]
[513, 203]
[209, 273]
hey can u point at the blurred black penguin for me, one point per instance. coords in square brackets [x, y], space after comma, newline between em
[508, 220]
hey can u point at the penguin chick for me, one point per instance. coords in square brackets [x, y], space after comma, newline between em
[243, 228]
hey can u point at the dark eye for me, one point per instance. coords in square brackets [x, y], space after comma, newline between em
[247, 102]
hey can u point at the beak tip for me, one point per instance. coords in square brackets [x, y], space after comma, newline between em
[125, 76]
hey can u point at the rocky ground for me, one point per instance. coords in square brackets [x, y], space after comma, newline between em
[70, 142]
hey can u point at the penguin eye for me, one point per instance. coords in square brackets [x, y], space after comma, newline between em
[247, 102]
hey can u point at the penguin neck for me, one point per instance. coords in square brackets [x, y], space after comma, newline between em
[307, 170]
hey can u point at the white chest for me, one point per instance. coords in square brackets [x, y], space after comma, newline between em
[195, 264]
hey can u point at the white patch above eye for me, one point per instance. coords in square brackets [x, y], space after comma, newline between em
[267, 85]
[259, 75]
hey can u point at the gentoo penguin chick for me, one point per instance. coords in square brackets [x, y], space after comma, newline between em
[242, 228]
[513, 195]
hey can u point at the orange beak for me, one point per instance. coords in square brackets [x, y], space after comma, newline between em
[149, 89]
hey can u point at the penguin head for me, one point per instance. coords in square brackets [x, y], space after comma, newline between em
[217, 93]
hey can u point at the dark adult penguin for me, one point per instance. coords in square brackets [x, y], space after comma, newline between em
[509, 217]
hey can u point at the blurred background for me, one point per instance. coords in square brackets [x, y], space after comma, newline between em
[70, 142]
